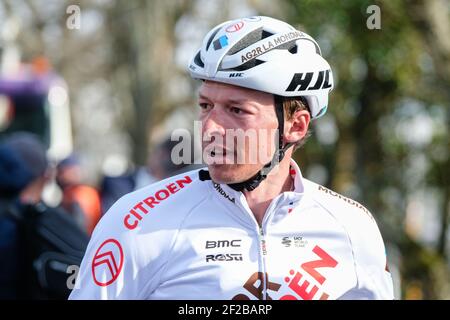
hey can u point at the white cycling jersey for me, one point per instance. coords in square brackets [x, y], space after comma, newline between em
[183, 238]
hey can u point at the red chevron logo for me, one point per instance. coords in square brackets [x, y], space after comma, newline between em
[107, 262]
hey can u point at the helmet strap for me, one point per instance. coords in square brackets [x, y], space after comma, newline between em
[261, 175]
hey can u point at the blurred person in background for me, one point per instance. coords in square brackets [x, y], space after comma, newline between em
[78, 199]
[23, 174]
[159, 166]
[32, 234]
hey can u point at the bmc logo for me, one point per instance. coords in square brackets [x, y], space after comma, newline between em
[236, 75]
[223, 244]
[301, 81]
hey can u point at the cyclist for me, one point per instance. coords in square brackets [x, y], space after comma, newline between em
[243, 229]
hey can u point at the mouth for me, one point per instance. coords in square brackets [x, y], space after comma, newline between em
[218, 152]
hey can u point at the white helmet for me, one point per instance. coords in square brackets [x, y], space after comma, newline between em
[268, 55]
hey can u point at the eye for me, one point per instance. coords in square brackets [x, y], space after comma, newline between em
[204, 106]
[236, 110]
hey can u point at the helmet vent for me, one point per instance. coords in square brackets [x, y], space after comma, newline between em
[211, 38]
[288, 46]
[293, 50]
[266, 34]
[246, 41]
[198, 60]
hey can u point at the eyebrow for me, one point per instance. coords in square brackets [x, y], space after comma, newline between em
[201, 96]
[238, 101]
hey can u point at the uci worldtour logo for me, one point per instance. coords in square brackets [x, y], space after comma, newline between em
[294, 241]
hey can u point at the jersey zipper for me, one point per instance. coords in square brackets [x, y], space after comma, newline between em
[262, 243]
[263, 249]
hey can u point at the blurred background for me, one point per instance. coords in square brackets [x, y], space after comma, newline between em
[103, 83]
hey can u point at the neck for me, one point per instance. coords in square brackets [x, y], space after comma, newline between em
[277, 182]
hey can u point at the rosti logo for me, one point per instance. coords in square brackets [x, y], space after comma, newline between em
[235, 27]
[224, 257]
[107, 262]
[135, 215]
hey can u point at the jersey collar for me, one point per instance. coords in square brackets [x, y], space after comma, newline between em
[281, 206]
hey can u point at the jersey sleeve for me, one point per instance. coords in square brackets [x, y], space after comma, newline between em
[119, 263]
[374, 281]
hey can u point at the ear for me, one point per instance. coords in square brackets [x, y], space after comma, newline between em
[297, 127]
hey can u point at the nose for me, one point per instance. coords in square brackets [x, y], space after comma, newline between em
[214, 123]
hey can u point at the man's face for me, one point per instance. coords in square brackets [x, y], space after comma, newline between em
[238, 129]
[69, 175]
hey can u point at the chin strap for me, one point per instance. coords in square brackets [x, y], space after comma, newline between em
[254, 182]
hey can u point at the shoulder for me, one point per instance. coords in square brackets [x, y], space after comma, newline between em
[153, 214]
[163, 203]
[359, 224]
[337, 203]
[138, 232]
[367, 245]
